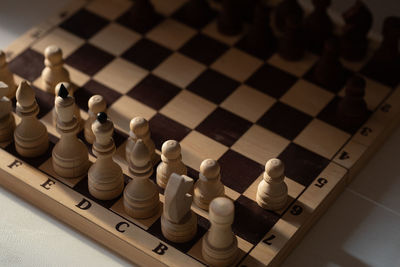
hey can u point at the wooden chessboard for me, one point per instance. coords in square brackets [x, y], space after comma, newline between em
[219, 101]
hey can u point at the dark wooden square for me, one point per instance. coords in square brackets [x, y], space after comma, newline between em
[29, 65]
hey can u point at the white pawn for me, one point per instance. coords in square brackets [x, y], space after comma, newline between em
[77, 112]
[31, 137]
[219, 245]
[96, 105]
[139, 129]
[105, 179]
[178, 221]
[171, 162]
[70, 156]
[6, 76]
[209, 185]
[54, 72]
[141, 197]
[272, 190]
[7, 121]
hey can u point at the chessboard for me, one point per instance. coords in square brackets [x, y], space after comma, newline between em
[219, 101]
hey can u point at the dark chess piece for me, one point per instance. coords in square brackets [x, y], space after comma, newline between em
[229, 19]
[329, 70]
[291, 44]
[283, 10]
[352, 109]
[197, 13]
[318, 26]
[354, 42]
[142, 14]
[260, 40]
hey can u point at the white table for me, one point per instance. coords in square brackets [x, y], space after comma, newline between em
[362, 228]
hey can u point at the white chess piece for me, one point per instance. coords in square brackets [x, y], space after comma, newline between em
[209, 185]
[54, 72]
[219, 245]
[178, 221]
[6, 76]
[171, 162]
[30, 135]
[77, 112]
[105, 179]
[272, 190]
[96, 105]
[7, 121]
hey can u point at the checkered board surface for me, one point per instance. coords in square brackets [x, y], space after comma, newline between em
[219, 101]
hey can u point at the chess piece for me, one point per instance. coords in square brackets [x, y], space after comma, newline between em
[329, 70]
[171, 162]
[219, 244]
[7, 121]
[178, 221]
[318, 25]
[96, 105]
[272, 190]
[77, 112]
[197, 13]
[354, 42]
[260, 40]
[69, 155]
[54, 72]
[139, 129]
[6, 76]
[352, 109]
[141, 199]
[283, 10]
[105, 177]
[229, 19]
[30, 135]
[142, 15]
[291, 44]
[209, 185]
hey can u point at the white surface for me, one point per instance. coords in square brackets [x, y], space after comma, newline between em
[362, 228]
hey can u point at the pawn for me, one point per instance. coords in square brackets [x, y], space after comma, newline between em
[171, 162]
[209, 185]
[197, 13]
[352, 109]
[6, 76]
[272, 190]
[69, 155]
[219, 244]
[105, 179]
[96, 105]
[77, 112]
[291, 43]
[7, 121]
[178, 221]
[284, 9]
[54, 72]
[141, 198]
[139, 129]
[329, 70]
[30, 135]
[229, 19]
[142, 15]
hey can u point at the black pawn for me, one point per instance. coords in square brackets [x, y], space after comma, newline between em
[318, 26]
[352, 109]
[329, 70]
[229, 19]
[388, 52]
[354, 42]
[291, 44]
[260, 40]
[283, 10]
[143, 13]
[197, 13]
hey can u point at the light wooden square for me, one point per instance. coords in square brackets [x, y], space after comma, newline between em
[307, 97]
[197, 147]
[179, 70]
[167, 7]
[115, 39]
[322, 138]
[124, 109]
[248, 103]
[61, 38]
[237, 64]
[260, 144]
[188, 109]
[171, 34]
[212, 31]
[109, 9]
[121, 75]
[77, 77]
[296, 68]
[118, 207]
